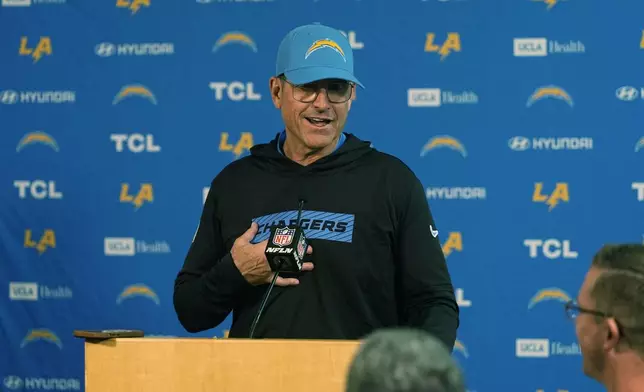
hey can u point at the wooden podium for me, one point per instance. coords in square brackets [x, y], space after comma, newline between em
[216, 365]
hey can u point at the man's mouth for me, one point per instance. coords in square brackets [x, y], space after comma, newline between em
[318, 121]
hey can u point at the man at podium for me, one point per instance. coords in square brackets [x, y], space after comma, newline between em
[373, 256]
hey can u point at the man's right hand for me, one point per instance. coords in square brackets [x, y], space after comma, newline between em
[251, 261]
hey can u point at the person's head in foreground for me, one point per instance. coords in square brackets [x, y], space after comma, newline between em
[609, 317]
[313, 87]
[403, 360]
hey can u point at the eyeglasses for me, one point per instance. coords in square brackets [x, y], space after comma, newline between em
[337, 91]
[573, 310]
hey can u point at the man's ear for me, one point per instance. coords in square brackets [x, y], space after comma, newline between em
[613, 335]
[275, 87]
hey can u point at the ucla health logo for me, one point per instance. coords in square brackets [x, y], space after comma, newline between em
[128, 246]
[544, 348]
[540, 47]
[444, 141]
[32, 291]
[42, 334]
[29, 3]
[235, 38]
[549, 294]
[137, 290]
[435, 97]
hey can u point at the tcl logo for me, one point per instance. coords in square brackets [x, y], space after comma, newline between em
[551, 248]
[461, 300]
[353, 40]
[639, 188]
[235, 91]
[135, 142]
[37, 189]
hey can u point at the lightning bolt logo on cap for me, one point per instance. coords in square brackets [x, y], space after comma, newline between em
[322, 44]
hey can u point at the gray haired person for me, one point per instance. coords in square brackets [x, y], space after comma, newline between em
[609, 318]
[403, 360]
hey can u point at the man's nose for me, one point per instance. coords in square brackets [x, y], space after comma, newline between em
[321, 101]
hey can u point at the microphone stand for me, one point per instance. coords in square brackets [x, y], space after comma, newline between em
[272, 284]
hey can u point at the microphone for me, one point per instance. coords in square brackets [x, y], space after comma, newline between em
[285, 252]
[286, 246]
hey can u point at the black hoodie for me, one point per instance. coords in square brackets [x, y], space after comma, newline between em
[378, 260]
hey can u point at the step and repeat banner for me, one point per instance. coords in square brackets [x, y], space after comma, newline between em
[523, 120]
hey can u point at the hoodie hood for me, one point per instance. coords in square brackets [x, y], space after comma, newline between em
[353, 148]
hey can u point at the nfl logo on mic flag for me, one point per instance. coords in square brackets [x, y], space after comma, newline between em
[286, 248]
[283, 236]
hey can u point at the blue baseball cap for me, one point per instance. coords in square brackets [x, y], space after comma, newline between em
[314, 52]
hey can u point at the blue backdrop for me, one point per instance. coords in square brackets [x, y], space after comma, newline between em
[522, 118]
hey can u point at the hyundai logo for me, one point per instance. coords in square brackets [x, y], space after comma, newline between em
[519, 143]
[105, 49]
[627, 93]
[13, 382]
[8, 97]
